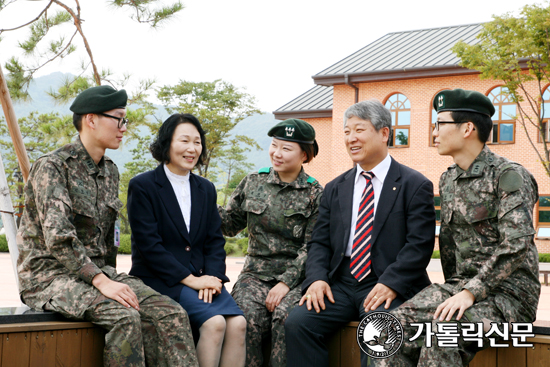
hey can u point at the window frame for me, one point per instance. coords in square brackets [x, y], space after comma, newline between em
[539, 209]
[545, 121]
[432, 126]
[499, 100]
[396, 126]
[437, 208]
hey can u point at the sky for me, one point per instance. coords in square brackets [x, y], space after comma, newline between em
[269, 48]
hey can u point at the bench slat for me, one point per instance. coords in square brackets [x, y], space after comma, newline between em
[69, 344]
[42, 348]
[15, 349]
[39, 326]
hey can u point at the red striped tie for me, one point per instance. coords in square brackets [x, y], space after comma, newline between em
[360, 264]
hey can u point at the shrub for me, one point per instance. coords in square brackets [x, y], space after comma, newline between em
[3, 243]
[231, 246]
[125, 244]
[243, 245]
[544, 258]
[436, 255]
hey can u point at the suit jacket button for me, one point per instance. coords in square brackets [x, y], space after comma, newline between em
[188, 248]
[200, 271]
[342, 254]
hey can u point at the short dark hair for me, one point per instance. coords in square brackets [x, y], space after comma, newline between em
[309, 149]
[160, 148]
[77, 121]
[483, 123]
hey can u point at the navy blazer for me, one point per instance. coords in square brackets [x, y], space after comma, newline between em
[162, 249]
[403, 234]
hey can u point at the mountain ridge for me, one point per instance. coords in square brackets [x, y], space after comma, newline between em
[255, 126]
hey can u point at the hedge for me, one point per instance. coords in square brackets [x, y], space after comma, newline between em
[3, 243]
[125, 244]
[233, 247]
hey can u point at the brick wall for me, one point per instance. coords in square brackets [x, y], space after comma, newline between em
[334, 160]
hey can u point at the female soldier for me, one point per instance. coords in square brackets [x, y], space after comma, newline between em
[280, 206]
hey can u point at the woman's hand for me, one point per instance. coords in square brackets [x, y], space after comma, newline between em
[202, 282]
[209, 283]
[275, 295]
[207, 294]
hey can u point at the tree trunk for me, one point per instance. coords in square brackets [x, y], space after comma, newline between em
[13, 128]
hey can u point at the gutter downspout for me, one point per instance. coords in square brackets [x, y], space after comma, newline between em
[346, 80]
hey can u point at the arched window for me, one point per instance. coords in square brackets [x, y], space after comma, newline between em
[504, 119]
[400, 109]
[545, 111]
[543, 230]
[432, 126]
[434, 119]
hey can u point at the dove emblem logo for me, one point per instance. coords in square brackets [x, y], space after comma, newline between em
[380, 335]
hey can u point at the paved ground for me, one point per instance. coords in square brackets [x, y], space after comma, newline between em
[9, 296]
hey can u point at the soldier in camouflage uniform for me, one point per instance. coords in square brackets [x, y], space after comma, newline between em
[489, 258]
[67, 252]
[280, 206]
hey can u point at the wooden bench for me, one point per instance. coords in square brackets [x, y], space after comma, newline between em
[545, 273]
[344, 352]
[49, 343]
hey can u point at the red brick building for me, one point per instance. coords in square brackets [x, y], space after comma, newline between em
[405, 71]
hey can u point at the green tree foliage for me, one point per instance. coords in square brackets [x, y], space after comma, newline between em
[37, 131]
[517, 51]
[141, 162]
[401, 139]
[47, 41]
[219, 106]
[234, 163]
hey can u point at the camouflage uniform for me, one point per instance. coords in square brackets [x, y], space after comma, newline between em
[67, 238]
[487, 247]
[280, 218]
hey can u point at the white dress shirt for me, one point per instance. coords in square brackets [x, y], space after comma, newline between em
[380, 172]
[182, 189]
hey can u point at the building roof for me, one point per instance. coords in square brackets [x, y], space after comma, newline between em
[316, 102]
[406, 50]
[412, 54]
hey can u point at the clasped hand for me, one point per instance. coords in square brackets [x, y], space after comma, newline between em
[207, 285]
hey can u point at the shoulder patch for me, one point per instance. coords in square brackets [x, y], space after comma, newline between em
[64, 154]
[264, 170]
[311, 180]
[510, 181]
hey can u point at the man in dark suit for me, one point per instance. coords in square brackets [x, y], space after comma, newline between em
[372, 241]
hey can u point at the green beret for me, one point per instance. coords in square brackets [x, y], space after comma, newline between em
[463, 100]
[295, 130]
[99, 99]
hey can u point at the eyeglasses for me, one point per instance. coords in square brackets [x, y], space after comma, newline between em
[446, 122]
[121, 120]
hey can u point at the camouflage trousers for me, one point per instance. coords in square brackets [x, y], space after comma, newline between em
[250, 294]
[420, 309]
[158, 334]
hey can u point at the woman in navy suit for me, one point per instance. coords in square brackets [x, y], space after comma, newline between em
[177, 243]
